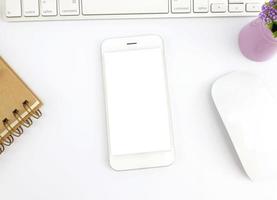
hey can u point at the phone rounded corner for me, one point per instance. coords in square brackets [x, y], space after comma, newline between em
[159, 38]
[213, 88]
[113, 165]
[172, 160]
[104, 44]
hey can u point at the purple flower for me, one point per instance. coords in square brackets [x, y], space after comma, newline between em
[269, 12]
[265, 8]
[272, 2]
[268, 20]
[269, 16]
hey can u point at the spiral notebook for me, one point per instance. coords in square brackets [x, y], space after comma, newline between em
[18, 106]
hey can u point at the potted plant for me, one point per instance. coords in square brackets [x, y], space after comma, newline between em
[258, 39]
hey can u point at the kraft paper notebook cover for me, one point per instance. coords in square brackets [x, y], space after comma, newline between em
[18, 105]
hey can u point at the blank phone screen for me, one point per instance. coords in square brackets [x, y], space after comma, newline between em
[137, 101]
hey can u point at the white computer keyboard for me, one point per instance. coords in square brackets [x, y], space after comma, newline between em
[36, 10]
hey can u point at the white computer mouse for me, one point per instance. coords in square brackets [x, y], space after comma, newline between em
[249, 113]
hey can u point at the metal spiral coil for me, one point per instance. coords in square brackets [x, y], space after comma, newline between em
[18, 131]
[26, 123]
[34, 113]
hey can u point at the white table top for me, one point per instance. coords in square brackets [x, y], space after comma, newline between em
[64, 155]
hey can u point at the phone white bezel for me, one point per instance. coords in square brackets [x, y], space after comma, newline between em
[141, 160]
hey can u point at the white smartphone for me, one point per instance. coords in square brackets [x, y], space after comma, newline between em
[138, 114]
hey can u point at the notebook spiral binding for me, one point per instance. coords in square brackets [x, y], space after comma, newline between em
[18, 131]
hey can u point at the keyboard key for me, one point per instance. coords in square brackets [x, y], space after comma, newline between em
[181, 6]
[13, 8]
[30, 8]
[48, 7]
[218, 7]
[237, 8]
[236, 1]
[101, 7]
[201, 6]
[69, 7]
[253, 7]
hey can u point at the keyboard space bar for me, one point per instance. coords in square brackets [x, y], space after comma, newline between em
[108, 7]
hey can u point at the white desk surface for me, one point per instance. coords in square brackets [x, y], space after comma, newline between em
[64, 155]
